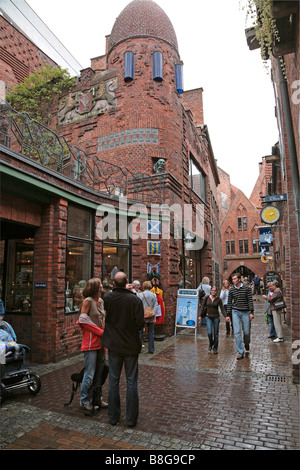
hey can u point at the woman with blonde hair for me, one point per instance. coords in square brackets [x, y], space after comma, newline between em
[224, 297]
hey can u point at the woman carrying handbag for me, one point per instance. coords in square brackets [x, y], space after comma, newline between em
[277, 306]
[149, 300]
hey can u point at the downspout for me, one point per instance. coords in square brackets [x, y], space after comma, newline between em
[291, 140]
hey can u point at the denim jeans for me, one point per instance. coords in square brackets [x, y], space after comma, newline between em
[116, 362]
[212, 328]
[272, 326]
[90, 363]
[150, 327]
[241, 322]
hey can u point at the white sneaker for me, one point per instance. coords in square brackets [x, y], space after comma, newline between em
[278, 340]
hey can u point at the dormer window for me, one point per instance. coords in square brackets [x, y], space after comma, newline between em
[128, 66]
[157, 66]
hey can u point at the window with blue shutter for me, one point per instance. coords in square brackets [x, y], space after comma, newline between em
[128, 66]
[157, 66]
[179, 78]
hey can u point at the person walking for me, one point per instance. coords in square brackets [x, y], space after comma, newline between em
[276, 297]
[210, 309]
[124, 320]
[256, 285]
[91, 321]
[149, 299]
[240, 305]
[224, 297]
[204, 285]
[270, 290]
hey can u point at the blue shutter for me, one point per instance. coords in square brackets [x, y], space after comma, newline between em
[179, 78]
[128, 66]
[157, 66]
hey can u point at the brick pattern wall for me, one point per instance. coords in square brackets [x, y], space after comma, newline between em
[19, 57]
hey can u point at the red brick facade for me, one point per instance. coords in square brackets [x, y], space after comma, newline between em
[131, 124]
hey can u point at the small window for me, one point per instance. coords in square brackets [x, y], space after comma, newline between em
[239, 223]
[241, 246]
[246, 246]
[157, 66]
[179, 78]
[128, 66]
[227, 247]
[244, 223]
[232, 247]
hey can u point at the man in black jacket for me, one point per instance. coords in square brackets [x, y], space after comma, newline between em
[240, 304]
[124, 319]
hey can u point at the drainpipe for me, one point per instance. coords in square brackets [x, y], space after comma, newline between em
[291, 141]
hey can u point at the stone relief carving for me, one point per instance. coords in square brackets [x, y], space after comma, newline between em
[97, 100]
[159, 166]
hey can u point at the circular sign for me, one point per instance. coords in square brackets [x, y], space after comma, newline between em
[264, 259]
[270, 214]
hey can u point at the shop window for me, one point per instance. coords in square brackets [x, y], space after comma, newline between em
[157, 66]
[115, 258]
[79, 256]
[19, 275]
[128, 66]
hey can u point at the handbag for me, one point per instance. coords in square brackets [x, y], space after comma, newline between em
[148, 311]
[279, 305]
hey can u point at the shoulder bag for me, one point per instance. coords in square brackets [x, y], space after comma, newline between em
[279, 305]
[148, 311]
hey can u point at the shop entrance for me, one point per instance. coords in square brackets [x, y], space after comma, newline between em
[16, 276]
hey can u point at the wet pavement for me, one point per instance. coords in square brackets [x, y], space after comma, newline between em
[190, 400]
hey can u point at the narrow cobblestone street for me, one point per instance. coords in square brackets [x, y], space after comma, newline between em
[199, 401]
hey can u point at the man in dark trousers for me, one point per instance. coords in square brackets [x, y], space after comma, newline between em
[240, 304]
[124, 319]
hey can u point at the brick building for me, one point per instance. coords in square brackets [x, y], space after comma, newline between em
[282, 193]
[240, 222]
[126, 134]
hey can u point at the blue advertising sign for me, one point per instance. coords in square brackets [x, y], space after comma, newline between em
[265, 236]
[276, 197]
[187, 309]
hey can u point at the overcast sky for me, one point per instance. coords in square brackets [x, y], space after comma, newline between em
[238, 93]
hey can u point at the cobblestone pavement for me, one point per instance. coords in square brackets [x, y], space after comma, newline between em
[190, 400]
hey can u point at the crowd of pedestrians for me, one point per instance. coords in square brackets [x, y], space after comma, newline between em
[116, 324]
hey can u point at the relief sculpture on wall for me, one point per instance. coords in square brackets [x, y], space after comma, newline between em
[82, 104]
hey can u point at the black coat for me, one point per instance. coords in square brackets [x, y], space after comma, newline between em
[124, 319]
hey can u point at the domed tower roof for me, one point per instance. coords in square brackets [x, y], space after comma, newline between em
[142, 18]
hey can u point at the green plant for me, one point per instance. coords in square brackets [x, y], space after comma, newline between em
[36, 93]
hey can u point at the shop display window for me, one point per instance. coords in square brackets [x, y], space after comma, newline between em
[19, 275]
[115, 258]
[79, 256]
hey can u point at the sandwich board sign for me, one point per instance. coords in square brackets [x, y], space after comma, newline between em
[187, 309]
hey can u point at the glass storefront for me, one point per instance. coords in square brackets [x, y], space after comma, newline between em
[79, 256]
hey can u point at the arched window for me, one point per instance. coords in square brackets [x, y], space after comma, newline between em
[128, 66]
[157, 66]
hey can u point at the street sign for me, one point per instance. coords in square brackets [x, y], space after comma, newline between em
[276, 197]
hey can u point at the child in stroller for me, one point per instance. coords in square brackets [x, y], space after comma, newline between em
[13, 372]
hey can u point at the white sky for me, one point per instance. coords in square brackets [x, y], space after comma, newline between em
[238, 93]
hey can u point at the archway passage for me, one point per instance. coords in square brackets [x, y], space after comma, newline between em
[245, 272]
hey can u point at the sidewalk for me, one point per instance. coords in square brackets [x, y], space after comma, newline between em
[190, 400]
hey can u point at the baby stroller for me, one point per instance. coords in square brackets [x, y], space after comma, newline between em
[13, 372]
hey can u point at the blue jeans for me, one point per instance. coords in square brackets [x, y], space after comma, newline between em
[90, 363]
[272, 326]
[212, 328]
[241, 322]
[150, 327]
[116, 362]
